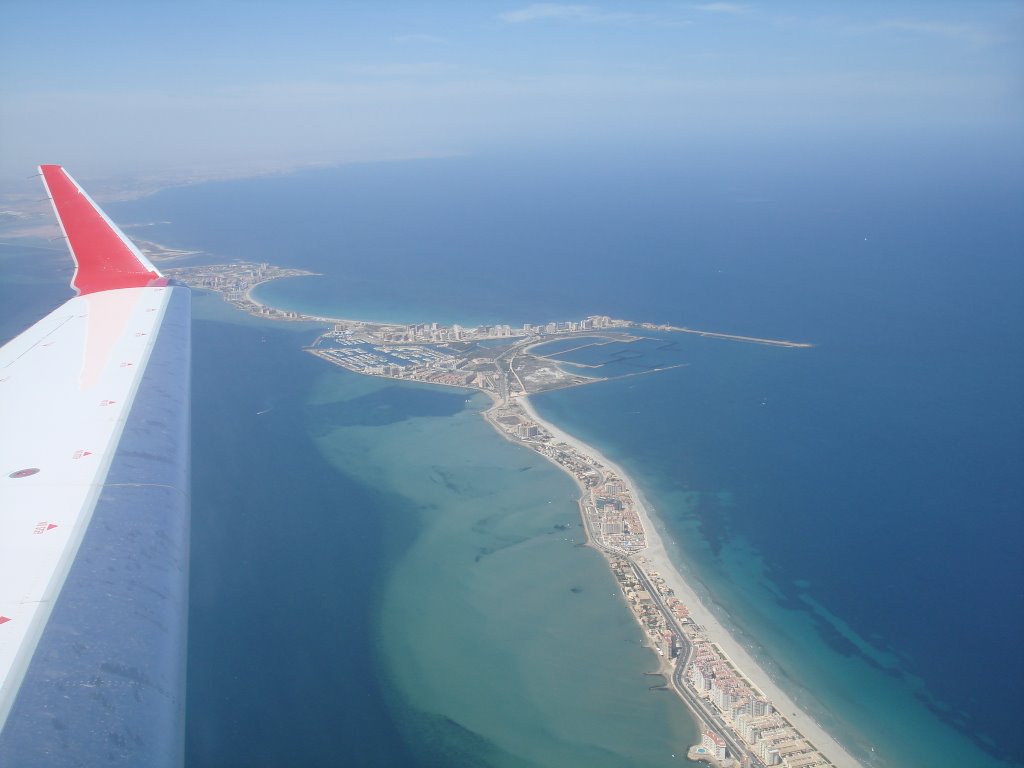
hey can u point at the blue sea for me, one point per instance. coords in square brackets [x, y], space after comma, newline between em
[378, 579]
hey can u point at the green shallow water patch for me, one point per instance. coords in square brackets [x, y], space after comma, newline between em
[505, 640]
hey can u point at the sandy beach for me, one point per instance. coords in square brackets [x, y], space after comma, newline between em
[658, 559]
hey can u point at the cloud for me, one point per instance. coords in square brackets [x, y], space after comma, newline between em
[539, 11]
[968, 33]
[579, 13]
[730, 8]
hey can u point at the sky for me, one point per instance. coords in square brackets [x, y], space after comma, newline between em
[110, 88]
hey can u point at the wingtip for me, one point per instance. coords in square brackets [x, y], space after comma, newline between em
[49, 171]
[105, 258]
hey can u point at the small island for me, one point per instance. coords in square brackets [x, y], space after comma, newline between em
[744, 717]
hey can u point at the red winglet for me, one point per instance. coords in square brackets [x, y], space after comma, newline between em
[104, 257]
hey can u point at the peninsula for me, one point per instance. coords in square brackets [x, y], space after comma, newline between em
[745, 719]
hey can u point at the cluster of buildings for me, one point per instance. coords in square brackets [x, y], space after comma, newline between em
[615, 521]
[529, 430]
[748, 713]
[435, 333]
[514, 422]
[424, 364]
[426, 352]
[639, 598]
[566, 457]
[609, 512]
[715, 677]
[405, 351]
[592, 323]
[713, 744]
[233, 281]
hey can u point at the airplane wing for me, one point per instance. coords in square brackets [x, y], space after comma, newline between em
[94, 510]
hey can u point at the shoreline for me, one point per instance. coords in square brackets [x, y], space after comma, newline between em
[640, 551]
[655, 557]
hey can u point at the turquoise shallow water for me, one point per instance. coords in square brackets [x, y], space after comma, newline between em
[378, 575]
[396, 584]
[507, 639]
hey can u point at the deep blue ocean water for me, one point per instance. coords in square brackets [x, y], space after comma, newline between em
[871, 485]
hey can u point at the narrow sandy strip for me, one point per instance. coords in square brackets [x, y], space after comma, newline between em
[658, 559]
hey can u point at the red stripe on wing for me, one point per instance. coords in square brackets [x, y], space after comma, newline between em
[104, 260]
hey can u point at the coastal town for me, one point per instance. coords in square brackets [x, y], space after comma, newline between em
[739, 724]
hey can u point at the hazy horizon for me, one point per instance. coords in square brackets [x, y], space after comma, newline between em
[113, 89]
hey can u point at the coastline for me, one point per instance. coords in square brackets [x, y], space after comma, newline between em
[644, 553]
[655, 556]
